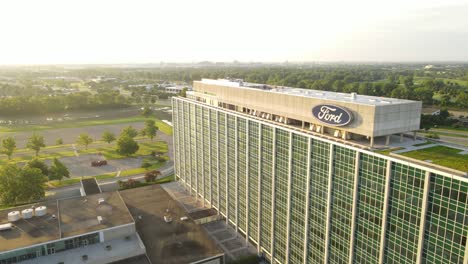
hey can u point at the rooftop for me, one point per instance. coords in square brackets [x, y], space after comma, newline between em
[64, 218]
[318, 94]
[167, 243]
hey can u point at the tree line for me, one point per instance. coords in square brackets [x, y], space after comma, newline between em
[30, 105]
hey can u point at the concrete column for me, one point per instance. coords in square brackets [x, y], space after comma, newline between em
[190, 148]
[210, 159]
[355, 205]
[197, 188]
[259, 190]
[227, 168]
[329, 204]
[422, 223]
[176, 159]
[383, 229]
[217, 160]
[371, 142]
[247, 185]
[273, 193]
[387, 140]
[414, 135]
[236, 171]
[288, 216]
[401, 137]
[203, 159]
[306, 225]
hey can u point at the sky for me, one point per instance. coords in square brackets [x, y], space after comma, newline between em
[151, 31]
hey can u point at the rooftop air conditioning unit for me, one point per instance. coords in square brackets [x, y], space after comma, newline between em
[41, 211]
[14, 216]
[27, 213]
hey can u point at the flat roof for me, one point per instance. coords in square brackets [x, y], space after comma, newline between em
[31, 231]
[167, 243]
[317, 94]
[64, 218]
[79, 215]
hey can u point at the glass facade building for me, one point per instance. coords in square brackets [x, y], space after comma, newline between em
[300, 198]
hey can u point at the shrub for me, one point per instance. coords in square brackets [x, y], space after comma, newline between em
[151, 176]
[146, 165]
[432, 135]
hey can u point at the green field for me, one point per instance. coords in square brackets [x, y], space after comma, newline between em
[163, 127]
[441, 155]
[108, 150]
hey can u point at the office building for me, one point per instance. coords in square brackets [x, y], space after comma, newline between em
[294, 172]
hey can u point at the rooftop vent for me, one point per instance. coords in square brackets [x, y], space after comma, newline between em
[353, 96]
[13, 216]
[27, 213]
[101, 200]
[100, 219]
[41, 211]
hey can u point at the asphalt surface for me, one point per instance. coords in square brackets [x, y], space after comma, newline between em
[108, 185]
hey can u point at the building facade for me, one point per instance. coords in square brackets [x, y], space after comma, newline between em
[304, 198]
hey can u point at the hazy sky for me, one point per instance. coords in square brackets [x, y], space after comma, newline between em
[136, 31]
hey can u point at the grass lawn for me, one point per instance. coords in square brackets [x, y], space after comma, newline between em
[108, 150]
[129, 172]
[423, 144]
[163, 127]
[464, 129]
[145, 149]
[441, 155]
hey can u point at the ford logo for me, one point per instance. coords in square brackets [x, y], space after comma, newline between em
[332, 115]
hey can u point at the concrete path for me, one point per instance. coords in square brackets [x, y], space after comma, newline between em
[411, 148]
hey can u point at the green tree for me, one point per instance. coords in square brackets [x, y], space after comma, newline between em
[423, 94]
[146, 112]
[39, 164]
[84, 140]
[126, 145]
[108, 137]
[19, 185]
[400, 92]
[59, 141]
[150, 129]
[8, 146]
[183, 92]
[58, 170]
[36, 142]
[129, 131]
[462, 99]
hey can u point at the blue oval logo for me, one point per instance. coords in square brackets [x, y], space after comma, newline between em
[332, 115]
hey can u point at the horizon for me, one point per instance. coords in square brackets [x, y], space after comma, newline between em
[117, 32]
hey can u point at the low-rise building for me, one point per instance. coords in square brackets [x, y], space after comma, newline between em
[92, 229]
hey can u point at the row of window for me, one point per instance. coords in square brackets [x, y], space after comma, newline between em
[263, 153]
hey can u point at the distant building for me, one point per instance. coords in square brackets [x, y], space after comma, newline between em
[176, 89]
[95, 229]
